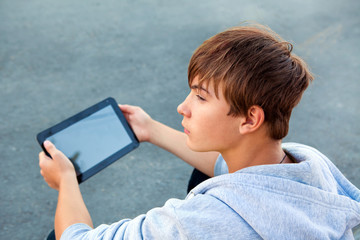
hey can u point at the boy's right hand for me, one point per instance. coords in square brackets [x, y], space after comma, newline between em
[139, 121]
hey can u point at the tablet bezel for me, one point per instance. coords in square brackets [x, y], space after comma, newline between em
[82, 176]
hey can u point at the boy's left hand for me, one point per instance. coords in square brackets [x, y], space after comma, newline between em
[58, 168]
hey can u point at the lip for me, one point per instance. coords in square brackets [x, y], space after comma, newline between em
[185, 130]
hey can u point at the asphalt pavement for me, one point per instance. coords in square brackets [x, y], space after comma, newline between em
[59, 57]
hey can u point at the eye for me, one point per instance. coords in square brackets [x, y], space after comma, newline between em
[200, 97]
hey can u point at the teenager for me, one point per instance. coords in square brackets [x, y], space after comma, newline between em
[244, 83]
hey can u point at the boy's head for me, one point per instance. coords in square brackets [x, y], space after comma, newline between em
[254, 67]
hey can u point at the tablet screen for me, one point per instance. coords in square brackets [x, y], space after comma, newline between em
[94, 138]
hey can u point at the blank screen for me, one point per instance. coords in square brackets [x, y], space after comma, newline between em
[92, 139]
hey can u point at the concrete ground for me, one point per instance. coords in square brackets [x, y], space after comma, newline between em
[59, 57]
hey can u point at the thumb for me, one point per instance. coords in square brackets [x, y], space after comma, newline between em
[126, 108]
[50, 147]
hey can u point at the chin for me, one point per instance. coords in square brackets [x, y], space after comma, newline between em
[197, 147]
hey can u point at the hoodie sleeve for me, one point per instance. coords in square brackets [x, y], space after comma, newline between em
[200, 216]
[158, 223]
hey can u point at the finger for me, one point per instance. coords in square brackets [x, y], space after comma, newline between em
[122, 106]
[127, 116]
[43, 155]
[43, 158]
[50, 148]
[126, 108]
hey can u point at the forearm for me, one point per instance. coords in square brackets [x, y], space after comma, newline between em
[175, 142]
[71, 208]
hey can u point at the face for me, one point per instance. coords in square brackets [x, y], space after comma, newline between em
[206, 122]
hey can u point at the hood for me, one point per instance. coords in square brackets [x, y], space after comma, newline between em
[303, 200]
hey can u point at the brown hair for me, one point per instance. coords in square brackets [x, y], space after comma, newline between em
[255, 67]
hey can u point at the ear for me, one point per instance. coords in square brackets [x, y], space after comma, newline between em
[253, 121]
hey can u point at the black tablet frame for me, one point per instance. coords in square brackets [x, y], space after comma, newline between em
[82, 176]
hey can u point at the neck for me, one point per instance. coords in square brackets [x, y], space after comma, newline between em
[251, 153]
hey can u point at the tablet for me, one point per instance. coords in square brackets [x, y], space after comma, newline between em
[93, 138]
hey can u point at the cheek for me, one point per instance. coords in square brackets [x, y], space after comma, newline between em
[218, 130]
[226, 129]
[212, 132]
[225, 132]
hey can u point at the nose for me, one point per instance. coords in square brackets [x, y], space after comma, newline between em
[183, 109]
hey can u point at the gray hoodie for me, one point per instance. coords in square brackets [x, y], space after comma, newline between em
[308, 200]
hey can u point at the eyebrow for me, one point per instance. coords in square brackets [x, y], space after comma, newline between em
[200, 88]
